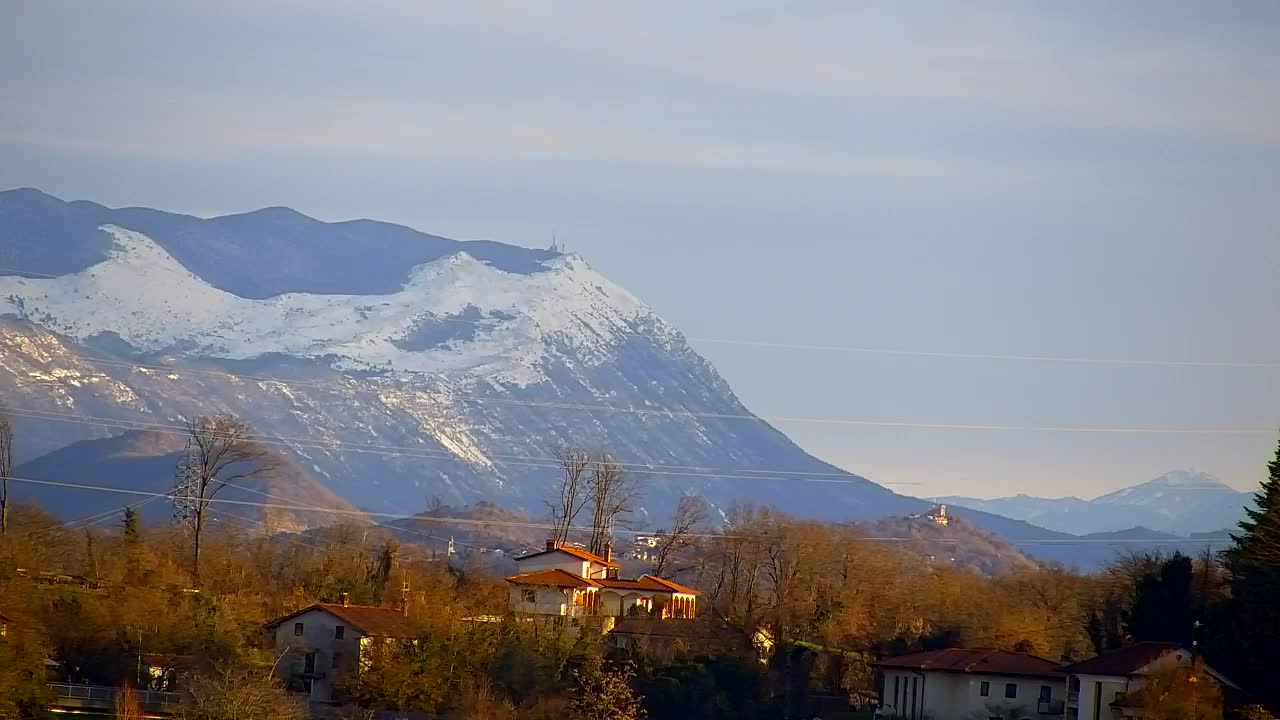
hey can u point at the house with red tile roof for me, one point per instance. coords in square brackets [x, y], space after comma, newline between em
[319, 644]
[1100, 687]
[962, 683]
[566, 581]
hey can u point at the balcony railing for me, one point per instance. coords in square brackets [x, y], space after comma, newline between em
[101, 693]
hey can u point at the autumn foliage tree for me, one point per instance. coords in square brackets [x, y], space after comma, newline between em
[605, 694]
[1179, 693]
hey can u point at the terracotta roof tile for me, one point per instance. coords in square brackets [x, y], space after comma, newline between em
[554, 577]
[576, 552]
[1123, 662]
[673, 585]
[994, 662]
[368, 620]
[644, 582]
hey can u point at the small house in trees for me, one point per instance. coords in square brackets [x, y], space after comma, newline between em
[1107, 686]
[958, 683]
[319, 644]
[566, 581]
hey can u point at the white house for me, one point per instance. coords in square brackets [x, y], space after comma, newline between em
[319, 644]
[959, 684]
[1098, 689]
[571, 582]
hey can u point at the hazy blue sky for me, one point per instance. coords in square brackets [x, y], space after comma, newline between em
[1092, 179]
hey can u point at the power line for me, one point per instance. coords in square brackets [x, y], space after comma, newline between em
[543, 525]
[893, 352]
[550, 460]
[422, 453]
[764, 418]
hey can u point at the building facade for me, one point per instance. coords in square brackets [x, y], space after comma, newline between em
[320, 644]
[1100, 688]
[959, 684]
[571, 582]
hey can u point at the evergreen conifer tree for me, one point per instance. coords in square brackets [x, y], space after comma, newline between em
[1253, 570]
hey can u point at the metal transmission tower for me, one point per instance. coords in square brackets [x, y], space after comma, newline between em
[186, 485]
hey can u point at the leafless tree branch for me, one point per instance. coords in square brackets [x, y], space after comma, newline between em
[574, 464]
[226, 454]
[691, 513]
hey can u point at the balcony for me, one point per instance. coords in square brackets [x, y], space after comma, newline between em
[70, 696]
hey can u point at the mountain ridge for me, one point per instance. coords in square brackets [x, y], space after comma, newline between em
[1180, 502]
[602, 371]
[462, 389]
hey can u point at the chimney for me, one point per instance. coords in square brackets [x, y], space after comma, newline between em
[346, 599]
[608, 551]
[551, 544]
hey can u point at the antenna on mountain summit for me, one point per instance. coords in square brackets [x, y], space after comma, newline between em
[555, 247]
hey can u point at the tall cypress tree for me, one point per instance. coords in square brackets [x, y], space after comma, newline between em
[1253, 568]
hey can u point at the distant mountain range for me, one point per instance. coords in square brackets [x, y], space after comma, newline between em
[1180, 503]
[390, 366]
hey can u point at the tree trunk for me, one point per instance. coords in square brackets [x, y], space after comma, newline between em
[195, 559]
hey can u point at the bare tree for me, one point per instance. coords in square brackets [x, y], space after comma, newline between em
[574, 464]
[6, 467]
[612, 492]
[691, 513]
[225, 453]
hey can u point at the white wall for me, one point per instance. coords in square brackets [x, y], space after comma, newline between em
[319, 628]
[1097, 692]
[958, 696]
[548, 600]
[550, 561]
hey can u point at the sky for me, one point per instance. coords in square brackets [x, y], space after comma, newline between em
[1090, 179]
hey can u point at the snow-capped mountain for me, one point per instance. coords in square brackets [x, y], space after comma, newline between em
[1180, 502]
[394, 365]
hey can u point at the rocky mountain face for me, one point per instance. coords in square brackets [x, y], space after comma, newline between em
[393, 366]
[1180, 502]
[396, 370]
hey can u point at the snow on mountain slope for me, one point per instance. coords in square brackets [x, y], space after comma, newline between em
[148, 299]
[460, 379]
[393, 365]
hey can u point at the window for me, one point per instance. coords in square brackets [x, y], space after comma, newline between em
[306, 686]
[1045, 693]
[984, 688]
[529, 596]
[339, 632]
[914, 684]
[337, 659]
[1011, 690]
[309, 663]
[896, 680]
[297, 629]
